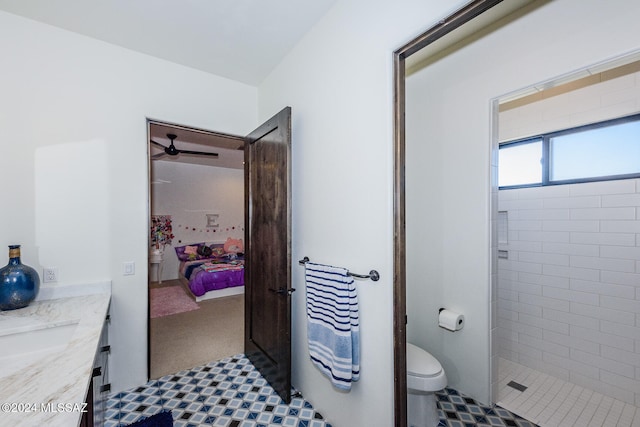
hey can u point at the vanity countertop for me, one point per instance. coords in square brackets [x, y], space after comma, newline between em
[48, 383]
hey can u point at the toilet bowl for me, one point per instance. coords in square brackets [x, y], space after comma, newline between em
[425, 376]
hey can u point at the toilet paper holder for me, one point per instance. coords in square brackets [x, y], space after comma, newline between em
[453, 327]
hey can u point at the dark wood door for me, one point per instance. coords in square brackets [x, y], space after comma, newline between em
[268, 251]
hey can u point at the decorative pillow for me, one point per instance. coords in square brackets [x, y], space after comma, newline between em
[217, 251]
[185, 256]
[233, 246]
[204, 251]
[199, 251]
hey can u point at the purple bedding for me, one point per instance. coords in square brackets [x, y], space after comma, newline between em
[201, 281]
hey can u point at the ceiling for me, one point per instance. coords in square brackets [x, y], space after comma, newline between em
[242, 40]
[230, 148]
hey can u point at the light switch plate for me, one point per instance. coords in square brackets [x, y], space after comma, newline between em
[129, 268]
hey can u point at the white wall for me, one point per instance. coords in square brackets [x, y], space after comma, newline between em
[74, 160]
[192, 192]
[449, 126]
[338, 81]
[447, 224]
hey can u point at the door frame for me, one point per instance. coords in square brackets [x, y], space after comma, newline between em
[433, 34]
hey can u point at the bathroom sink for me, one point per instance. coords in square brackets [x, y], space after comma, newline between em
[20, 349]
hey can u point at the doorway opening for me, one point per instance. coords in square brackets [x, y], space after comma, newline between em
[266, 201]
[196, 218]
[562, 284]
[463, 26]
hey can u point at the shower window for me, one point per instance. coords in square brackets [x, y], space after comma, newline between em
[520, 163]
[596, 152]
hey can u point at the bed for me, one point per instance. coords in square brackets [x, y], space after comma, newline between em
[209, 271]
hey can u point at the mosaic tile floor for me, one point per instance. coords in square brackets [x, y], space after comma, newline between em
[228, 393]
[456, 410]
[232, 393]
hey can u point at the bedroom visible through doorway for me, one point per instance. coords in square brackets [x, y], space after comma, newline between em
[196, 248]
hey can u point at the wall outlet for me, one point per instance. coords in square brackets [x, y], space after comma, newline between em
[129, 268]
[50, 275]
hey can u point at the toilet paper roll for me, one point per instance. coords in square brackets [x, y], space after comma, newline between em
[450, 320]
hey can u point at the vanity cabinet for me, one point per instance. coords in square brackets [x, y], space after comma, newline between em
[99, 386]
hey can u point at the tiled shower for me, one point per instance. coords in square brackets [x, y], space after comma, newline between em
[569, 283]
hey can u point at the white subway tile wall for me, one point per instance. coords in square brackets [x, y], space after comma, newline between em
[569, 293]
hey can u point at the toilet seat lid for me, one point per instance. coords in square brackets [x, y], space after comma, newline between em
[421, 363]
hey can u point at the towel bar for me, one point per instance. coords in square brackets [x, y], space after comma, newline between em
[373, 274]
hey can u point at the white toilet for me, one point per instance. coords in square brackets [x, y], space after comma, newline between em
[425, 376]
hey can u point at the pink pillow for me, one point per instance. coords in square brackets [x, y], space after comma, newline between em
[233, 245]
[191, 250]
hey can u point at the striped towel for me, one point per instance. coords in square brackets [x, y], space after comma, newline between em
[332, 323]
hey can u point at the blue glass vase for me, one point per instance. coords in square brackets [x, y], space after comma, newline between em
[19, 283]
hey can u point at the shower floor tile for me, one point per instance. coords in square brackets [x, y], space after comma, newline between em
[552, 402]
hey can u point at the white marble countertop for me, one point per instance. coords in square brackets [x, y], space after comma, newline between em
[47, 387]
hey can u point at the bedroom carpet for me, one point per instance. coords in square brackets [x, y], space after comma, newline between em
[170, 300]
[194, 338]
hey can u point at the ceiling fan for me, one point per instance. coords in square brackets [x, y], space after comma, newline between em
[171, 150]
